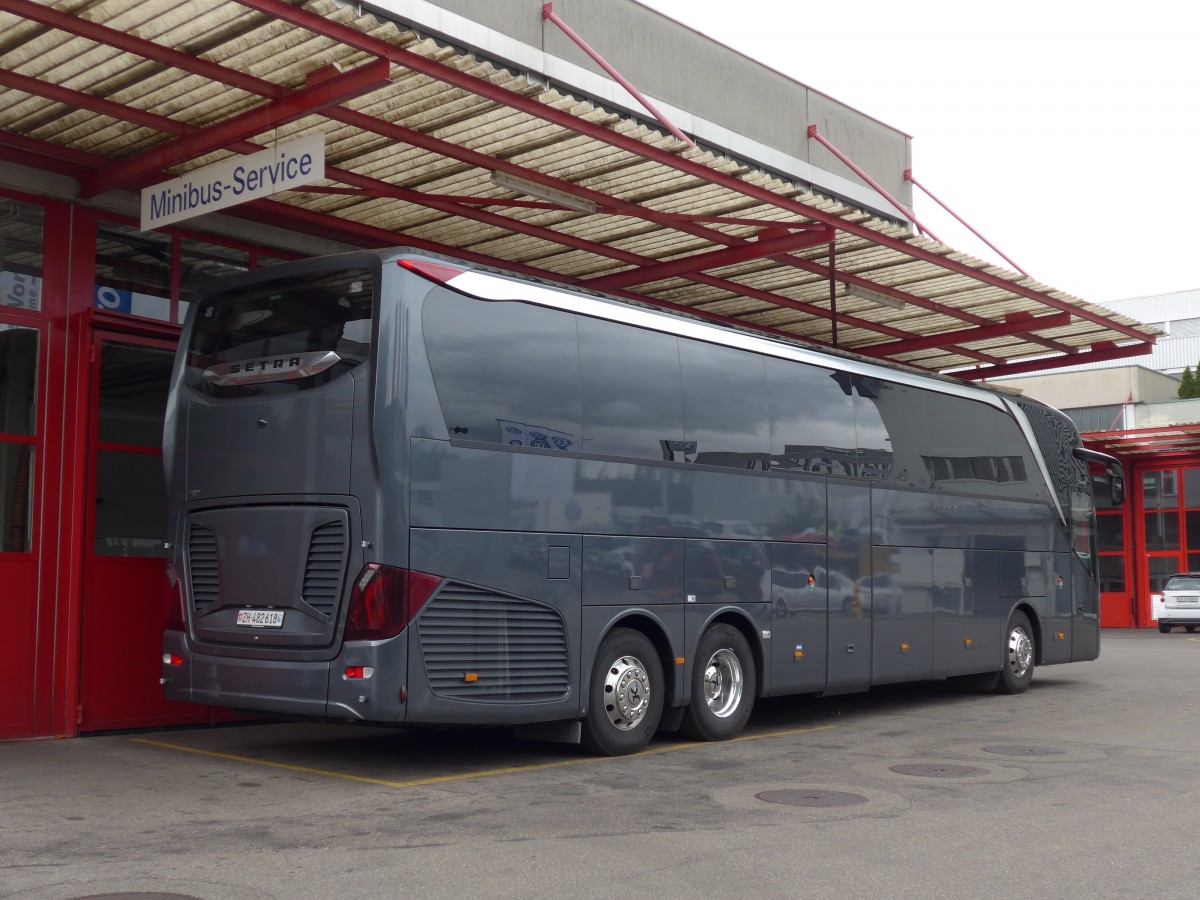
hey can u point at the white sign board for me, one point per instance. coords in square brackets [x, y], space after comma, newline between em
[224, 184]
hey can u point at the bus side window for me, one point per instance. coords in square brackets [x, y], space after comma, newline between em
[812, 419]
[977, 448]
[632, 391]
[891, 424]
[725, 406]
[505, 372]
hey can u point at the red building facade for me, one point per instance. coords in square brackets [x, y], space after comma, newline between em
[89, 313]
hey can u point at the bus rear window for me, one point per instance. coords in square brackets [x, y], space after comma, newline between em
[282, 335]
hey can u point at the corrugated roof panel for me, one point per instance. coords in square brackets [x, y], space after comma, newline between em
[663, 212]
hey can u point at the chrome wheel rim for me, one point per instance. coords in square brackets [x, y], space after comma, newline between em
[626, 693]
[723, 683]
[1020, 652]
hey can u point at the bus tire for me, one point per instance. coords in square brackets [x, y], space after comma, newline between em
[1017, 671]
[625, 702]
[723, 686]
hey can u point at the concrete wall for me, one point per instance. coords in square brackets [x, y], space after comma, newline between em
[726, 100]
[1102, 387]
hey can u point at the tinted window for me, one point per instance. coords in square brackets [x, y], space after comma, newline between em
[18, 379]
[1183, 583]
[890, 422]
[632, 393]
[281, 336]
[505, 372]
[978, 448]
[724, 406]
[812, 420]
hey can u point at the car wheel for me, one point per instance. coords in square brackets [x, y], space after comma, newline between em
[1190, 628]
[1164, 627]
[1017, 671]
[723, 686]
[625, 700]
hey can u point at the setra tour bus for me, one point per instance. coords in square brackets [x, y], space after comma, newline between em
[407, 490]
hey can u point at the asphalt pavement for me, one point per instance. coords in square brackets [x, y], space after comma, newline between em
[1085, 786]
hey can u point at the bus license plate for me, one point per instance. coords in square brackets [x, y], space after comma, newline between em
[260, 618]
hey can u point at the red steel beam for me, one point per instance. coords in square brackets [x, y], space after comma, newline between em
[43, 154]
[815, 135]
[102, 34]
[548, 14]
[376, 188]
[908, 176]
[449, 75]
[1102, 354]
[187, 63]
[82, 100]
[1142, 435]
[296, 105]
[966, 335]
[271, 211]
[371, 187]
[711, 260]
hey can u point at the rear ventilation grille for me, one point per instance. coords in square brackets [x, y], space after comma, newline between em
[204, 570]
[517, 648]
[324, 567]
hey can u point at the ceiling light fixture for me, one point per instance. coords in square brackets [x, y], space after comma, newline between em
[541, 192]
[861, 293]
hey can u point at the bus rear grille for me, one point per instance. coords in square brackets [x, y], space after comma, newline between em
[204, 571]
[324, 566]
[516, 647]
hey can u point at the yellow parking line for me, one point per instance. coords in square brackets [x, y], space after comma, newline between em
[442, 779]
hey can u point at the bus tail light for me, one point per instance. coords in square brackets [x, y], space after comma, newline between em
[385, 600]
[175, 618]
[435, 272]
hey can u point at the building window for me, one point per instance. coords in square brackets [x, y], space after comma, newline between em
[20, 256]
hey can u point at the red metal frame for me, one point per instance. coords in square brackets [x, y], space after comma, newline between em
[994, 367]
[548, 14]
[815, 135]
[908, 176]
[296, 105]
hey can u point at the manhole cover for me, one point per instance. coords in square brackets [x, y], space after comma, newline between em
[811, 798]
[1025, 751]
[929, 770]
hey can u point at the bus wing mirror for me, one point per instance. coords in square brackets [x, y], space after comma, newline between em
[1112, 466]
[1117, 484]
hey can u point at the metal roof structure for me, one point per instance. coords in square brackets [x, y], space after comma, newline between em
[423, 141]
[1141, 442]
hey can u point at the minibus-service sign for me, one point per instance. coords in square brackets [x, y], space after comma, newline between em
[233, 181]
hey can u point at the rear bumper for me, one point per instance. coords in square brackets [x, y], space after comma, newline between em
[1190, 616]
[318, 690]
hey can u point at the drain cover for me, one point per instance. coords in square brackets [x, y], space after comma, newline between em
[1025, 751]
[930, 770]
[811, 798]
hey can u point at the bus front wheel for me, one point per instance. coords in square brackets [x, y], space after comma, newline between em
[1017, 671]
[723, 685]
[625, 702]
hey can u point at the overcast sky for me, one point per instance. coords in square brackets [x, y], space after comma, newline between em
[1066, 132]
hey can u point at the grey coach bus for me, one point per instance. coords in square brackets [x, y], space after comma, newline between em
[406, 490]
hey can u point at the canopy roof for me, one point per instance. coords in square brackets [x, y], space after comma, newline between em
[1138, 442]
[123, 94]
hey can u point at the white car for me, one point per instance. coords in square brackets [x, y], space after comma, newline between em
[1180, 603]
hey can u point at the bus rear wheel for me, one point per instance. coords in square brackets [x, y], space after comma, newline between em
[1017, 671]
[625, 702]
[723, 686]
